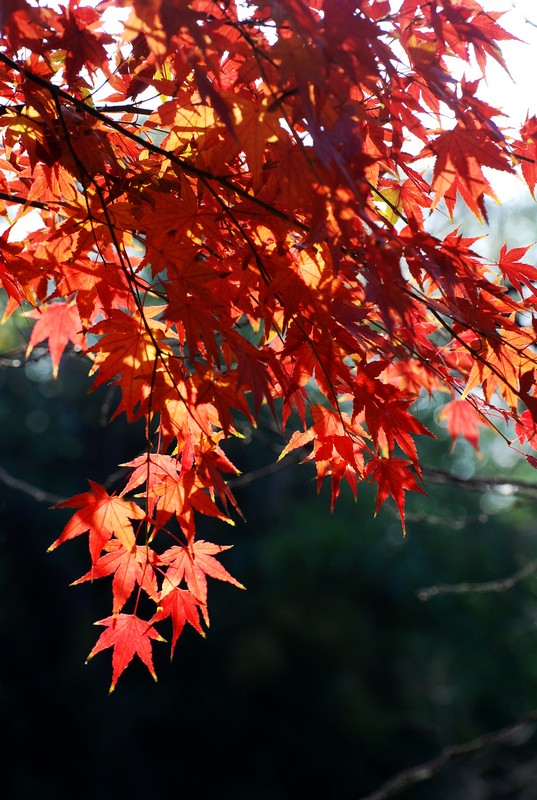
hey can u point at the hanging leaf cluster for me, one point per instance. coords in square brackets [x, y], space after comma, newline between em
[233, 205]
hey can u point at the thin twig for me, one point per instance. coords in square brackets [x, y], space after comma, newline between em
[22, 486]
[423, 772]
[458, 523]
[269, 469]
[480, 483]
[524, 17]
[22, 201]
[127, 108]
[500, 585]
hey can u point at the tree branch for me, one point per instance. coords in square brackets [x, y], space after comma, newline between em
[500, 585]
[480, 483]
[269, 469]
[458, 523]
[423, 772]
[22, 486]
[15, 198]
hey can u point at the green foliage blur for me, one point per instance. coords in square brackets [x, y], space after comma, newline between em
[322, 680]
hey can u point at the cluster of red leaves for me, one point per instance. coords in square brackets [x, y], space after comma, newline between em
[232, 205]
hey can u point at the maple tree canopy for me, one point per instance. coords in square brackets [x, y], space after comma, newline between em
[232, 205]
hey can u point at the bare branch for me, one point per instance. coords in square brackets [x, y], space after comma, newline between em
[481, 483]
[22, 486]
[524, 17]
[269, 469]
[126, 108]
[423, 772]
[457, 523]
[15, 198]
[500, 585]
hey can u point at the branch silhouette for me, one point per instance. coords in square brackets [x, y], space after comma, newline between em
[480, 483]
[500, 585]
[522, 729]
[41, 495]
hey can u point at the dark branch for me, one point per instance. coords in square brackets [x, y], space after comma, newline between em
[270, 469]
[457, 523]
[428, 769]
[15, 198]
[126, 108]
[500, 585]
[480, 483]
[22, 486]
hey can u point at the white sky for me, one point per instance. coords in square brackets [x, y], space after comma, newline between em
[519, 95]
[516, 96]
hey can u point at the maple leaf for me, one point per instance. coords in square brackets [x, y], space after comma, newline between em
[503, 359]
[526, 429]
[58, 322]
[103, 515]
[94, 291]
[130, 568]
[128, 347]
[254, 124]
[128, 635]
[50, 181]
[406, 199]
[460, 155]
[173, 491]
[518, 273]
[337, 448]
[152, 469]
[394, 479]
[182, 607]
[462, 419]
[21, 24]
[192, 564]
[83, 44]
[526, 151]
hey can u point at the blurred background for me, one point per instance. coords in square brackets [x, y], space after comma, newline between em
[322, 680]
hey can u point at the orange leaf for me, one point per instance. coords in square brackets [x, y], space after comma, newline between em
[462, 420]
[182, 607]
[518, 273]
[59, 323]
[128, 635]
[130, 568]
[460, 155]
[193, 564]
[103, 515]
[394, 479]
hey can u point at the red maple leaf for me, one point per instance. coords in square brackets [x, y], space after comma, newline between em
[130, 568]
[58, 322]
[128, 635]
[518, 273]
[461, 153]
[173, 491]
[182, 607]
[82, 41]
[192, 565]
[526, 429]
[393, 479]
[526, 151]
[462, 420]
[103, 515]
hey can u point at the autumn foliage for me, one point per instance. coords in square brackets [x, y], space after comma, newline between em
[233, 204]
